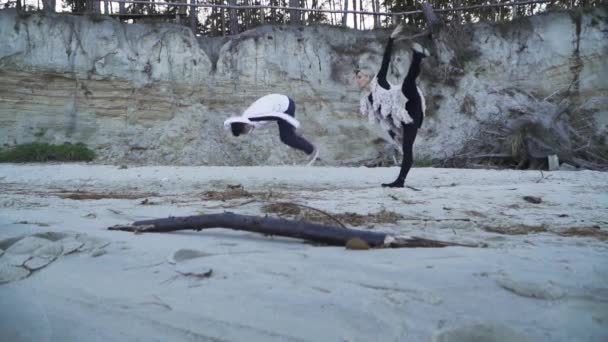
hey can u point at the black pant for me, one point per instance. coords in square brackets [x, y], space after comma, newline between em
[413, 107]
[287, 132]
[410, 90]
[409, 136]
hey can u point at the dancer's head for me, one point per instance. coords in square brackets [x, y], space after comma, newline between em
[363, 77]
[239, 128]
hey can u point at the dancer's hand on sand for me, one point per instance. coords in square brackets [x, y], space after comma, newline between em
[397, 31]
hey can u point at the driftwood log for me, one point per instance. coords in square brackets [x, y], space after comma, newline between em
[319, 233]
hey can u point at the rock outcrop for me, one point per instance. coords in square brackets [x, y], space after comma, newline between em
[157, 94]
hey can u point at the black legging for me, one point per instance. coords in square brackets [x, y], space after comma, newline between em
[287, 132]
[410, 90]
[409, 136]
[386, 58]
[413, 107]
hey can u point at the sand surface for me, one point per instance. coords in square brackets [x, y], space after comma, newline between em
[540, 273]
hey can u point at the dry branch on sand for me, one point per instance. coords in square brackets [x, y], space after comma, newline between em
[330, 235]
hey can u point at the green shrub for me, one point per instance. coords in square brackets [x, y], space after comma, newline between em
[39, 152]
[423, 162]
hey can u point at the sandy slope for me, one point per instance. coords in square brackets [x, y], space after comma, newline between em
[116, 286]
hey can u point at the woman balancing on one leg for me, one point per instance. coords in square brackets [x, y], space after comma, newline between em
[399, 111]
[269, 108]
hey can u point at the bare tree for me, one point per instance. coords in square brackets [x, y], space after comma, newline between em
[234, 24]
[294, 15]
[273, 12]
[90, 6]
[355, 14]
[48, 5]
[361, 16]
[193, 16]
[344, 14]
[332, 6]
[375, 9]
[223, 14]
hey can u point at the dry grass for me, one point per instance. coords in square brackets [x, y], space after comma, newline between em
[521, 229]
[594, 232]
[304, 213]
[237, 192]
[89, 195]
[282, 209]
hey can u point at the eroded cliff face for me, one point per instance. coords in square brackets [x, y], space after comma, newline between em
[156, 94]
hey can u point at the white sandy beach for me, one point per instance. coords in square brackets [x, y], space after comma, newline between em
[100, 285]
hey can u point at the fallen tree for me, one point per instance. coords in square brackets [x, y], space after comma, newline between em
[534, 130]
[318, 233]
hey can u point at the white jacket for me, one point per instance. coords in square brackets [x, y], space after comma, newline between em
[273, 105]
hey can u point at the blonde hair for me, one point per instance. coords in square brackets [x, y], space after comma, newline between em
[365, 71]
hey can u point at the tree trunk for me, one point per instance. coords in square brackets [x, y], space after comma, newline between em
[345, 16]
[333, 14]
[223, 22]
[273, 13]
[431, 17]
[355, 14]
[213, 22]
[234, 24]
[193, 13]
[378, 16]
[330, 235]
[294, 15]
[90, 6]
[248, 16]
[375, 9]
[361, 16]
[48, 6]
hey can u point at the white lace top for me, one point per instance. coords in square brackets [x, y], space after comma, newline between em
[387, 102]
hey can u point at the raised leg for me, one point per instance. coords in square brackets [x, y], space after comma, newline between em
[409, 87]
[386, 58]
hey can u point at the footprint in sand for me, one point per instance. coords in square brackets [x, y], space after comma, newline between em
[186, 254]
[546, 290]
[23, 255]
[185, 263]
[479, 332]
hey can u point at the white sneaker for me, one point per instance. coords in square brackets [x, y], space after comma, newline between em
[315, 155]
[420, 49]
